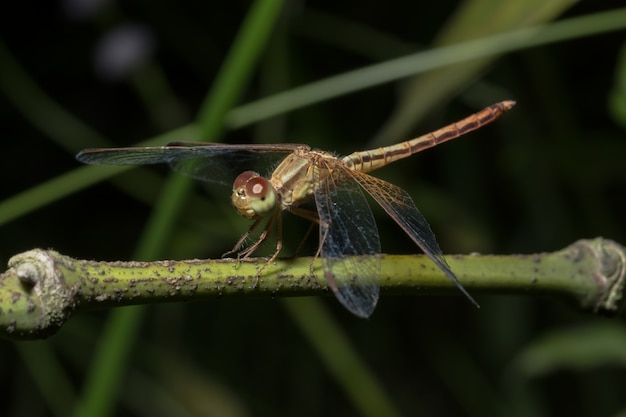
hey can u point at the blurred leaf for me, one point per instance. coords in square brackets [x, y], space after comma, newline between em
[578, 349]
[197, 392]
[102, 383]
[617, 96]
[50, 377]
[474, 19]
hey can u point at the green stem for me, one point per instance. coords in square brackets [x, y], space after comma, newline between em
[105, 376]
[41, 289]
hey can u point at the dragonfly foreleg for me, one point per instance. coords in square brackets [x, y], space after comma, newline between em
[247, 252]
[279, 243]
[236, 249]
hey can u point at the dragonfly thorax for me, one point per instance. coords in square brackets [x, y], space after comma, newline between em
[253, 196]
[296, 178]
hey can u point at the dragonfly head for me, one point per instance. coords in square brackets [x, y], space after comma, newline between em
[253, 196]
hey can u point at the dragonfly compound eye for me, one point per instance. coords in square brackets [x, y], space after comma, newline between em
[243, 178]
[253, 195]
[261, 195]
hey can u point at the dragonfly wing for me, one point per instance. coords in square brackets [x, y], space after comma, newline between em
[130, 156]
[214, 162]
[400, 207]
[350, 244]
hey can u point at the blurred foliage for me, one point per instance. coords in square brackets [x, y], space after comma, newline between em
[546, 174]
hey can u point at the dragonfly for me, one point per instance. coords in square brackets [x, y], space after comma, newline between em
[349, 243]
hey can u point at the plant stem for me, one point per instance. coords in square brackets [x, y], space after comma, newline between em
[41, 289]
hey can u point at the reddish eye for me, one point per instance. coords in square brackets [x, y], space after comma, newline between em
[253, 195]
[243, 178]
[257, 187]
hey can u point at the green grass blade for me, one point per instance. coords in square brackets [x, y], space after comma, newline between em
[403, 67]
[339, 357]
[52, 380]
[41, 110]
[103, 380]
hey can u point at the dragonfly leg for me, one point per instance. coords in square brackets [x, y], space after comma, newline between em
[313, 216]
[264, 234]
[279, 243]
[247, 252]
[306, 214]
[304, 238]
[236, 249]
[310, 215]
[317, 253]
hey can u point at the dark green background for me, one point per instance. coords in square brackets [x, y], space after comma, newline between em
[545, 175]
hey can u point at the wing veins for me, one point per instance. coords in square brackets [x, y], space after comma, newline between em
[347, 233]
[399, 205]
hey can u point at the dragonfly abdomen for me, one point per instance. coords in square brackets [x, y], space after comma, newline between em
[460, 128]
[367, 161]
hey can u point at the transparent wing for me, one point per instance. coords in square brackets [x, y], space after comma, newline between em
[214, 162]
[350, 243]
[400, 207]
